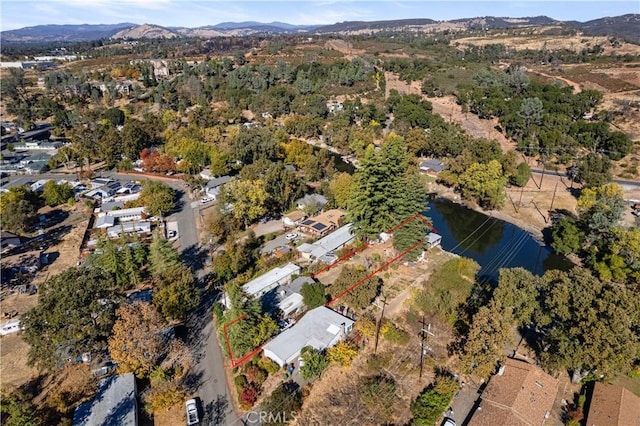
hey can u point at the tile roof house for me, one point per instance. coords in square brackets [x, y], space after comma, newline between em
[321, 225]
[613, 405]
[519, 394]
[114, 404]
[319, 328]
[293, 219]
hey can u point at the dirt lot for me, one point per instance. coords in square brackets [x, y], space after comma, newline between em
[537, 40]
[336, 395]
[64, 239]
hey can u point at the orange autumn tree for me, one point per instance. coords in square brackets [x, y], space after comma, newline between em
[136, 343]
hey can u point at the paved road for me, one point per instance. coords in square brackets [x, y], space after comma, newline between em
[628, 185]
[208, 379]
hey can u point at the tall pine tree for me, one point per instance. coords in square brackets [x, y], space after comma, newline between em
[388, 190]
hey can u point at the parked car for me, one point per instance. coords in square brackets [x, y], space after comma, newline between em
[192, 412]
[171, 234]
[206, 200]
[291, 236]
[448, 422]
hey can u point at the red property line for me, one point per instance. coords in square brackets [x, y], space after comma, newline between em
[381, 268]
[245, 358]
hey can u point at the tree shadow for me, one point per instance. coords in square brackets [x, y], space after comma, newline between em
[178, 203]
[215, 412]
[194, 257]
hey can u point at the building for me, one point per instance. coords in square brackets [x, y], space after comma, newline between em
[433, 240]
[289, 297]
[432, 166]
[129, 228]
[293, 219]
[263, 284]
[334, 241]
[38, 145]
[11, 326]
[519, 394]
[212, 188]
[105, 221]
[9, 240]
[267, 282]
[613, 405]
[312, 202]
[321, 225]
[115, 404]
[127, 215]
[108, 206]
[319, 328]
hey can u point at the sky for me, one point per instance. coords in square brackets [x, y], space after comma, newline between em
[195, 13]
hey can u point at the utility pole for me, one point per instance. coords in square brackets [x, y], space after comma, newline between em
[384, 303]
[553, 199]
[424, 336]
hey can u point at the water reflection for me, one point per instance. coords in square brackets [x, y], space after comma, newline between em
[493, 243]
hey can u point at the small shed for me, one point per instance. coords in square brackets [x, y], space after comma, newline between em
[433, 240]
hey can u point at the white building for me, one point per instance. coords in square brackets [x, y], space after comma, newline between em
[272, 279]
[261, 285]
[213, 186]
[127, 215]
[320, 328]
[334, 241]
[129, 228]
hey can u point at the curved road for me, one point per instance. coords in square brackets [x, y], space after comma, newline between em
[208, 380]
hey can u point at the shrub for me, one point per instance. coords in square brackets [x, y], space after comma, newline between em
[255, 375]
[268, 365]
[249, 396]
[314, 363]
[431, 403]
[395, 334]
[240, 382]
[342, 353]
[377, 362]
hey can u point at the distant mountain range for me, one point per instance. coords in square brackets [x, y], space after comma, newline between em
[625, 26]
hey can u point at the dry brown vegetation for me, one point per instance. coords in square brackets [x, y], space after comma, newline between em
[536, 39]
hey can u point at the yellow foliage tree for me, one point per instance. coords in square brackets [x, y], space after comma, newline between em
[136, 342]
[342, 353]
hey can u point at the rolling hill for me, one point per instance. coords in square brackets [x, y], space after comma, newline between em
[625, 26]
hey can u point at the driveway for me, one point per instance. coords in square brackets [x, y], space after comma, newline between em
[270, 227]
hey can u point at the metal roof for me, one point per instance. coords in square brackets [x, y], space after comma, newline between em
[271, 279]
[114, 404]
[320, 327]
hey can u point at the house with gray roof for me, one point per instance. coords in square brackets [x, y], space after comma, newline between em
[334, 241]
[432, 166]
[319, 328]
[114, 404]
[212, 188]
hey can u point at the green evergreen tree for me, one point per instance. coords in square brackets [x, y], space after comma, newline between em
[161, 255]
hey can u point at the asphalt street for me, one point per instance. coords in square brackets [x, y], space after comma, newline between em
[207, 380]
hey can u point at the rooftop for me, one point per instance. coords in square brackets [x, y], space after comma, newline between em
[113, 405]
[318, 328]
[613, 405]
[214, 183]
[269, 280]
[521, 392]
[333, 241]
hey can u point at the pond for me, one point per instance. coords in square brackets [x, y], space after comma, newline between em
[491, 242]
